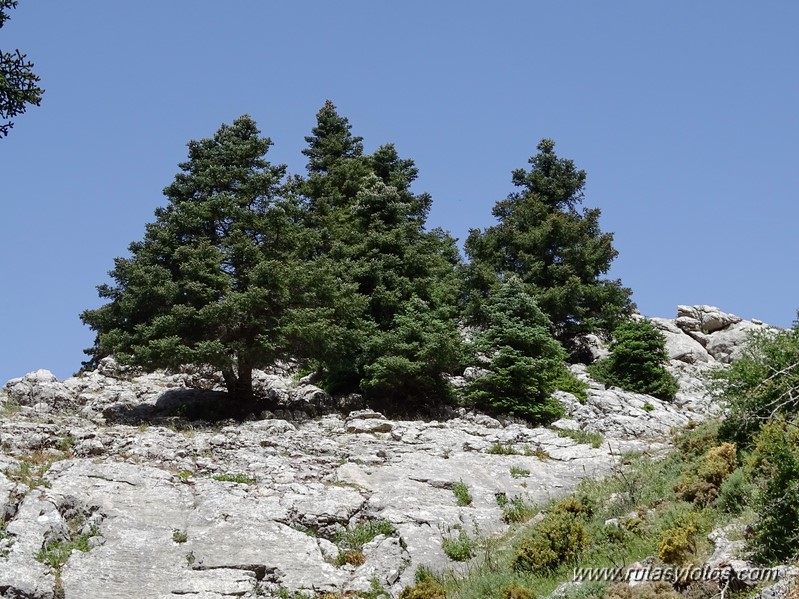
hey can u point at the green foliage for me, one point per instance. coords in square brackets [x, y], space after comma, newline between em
[401, 314]
[559, 252]
[18, 83]
[697, 441]
[566, 381]
[459, 549]
[65, 444]
[774, 466]
[678, 544]
[559, 538]
[235, 478]
[462, 495]
[526, 361]
[503, 449]
[595, 440]
[351, 541]
[515, 591]
[211, 283]
[702, 482]
[735, 493]
[518, 472]
[429, 589]
[180, 536]
[404, 364]
[760, 391]
[56, 552]
[9, 407]
[516, 509]
[424, 574]
[636, 359]
[31, 471]
[761, 384]
[638, 497]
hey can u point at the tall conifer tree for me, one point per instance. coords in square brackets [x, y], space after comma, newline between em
[213, 279]
[558, 251]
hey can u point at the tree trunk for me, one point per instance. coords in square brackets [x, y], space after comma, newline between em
[231, 380]
[239, 386]
[243, 392]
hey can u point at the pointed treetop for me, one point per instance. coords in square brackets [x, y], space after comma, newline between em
[331, 140]
[392, 169]
[555, 180]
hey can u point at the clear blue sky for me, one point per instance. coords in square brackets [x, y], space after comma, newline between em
[684, 114]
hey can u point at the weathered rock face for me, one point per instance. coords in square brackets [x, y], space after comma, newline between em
[167, 507]
[721, 335]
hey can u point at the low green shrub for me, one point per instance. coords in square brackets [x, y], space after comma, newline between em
[429, 589]
[502, 449]
[701, 483]
[180, 536]
[461, 548]
[774, 466]
[559, 538]
[697, 440]
[736, 493]
[566, 381]
[516, 591]
[762, 383]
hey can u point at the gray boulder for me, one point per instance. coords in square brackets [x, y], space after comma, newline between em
[42, 390]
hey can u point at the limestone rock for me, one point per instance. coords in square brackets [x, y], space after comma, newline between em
[40, 388]
[189, 508]
[726, 345]
[680, 346]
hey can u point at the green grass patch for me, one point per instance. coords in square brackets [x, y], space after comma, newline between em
[519, 472]
[461, 548]
[462, 494]
[539, 452]
[66, 444]
[31, 470]
[350, 542]
[645, 519]
[503, 449]
[235, 478]
[9, 408]
[56, 553]
[595, 440]
[180, 536]
[516, 509]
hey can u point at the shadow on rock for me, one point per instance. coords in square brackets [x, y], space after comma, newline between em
[188, 405]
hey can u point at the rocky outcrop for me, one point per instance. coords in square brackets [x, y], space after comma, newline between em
[257, 506]
[156, 500]
[722, 336]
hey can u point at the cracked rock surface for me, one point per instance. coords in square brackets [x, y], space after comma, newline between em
[147, 503]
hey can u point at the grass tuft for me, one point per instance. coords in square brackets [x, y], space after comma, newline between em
[595, 440]
[462, 494]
